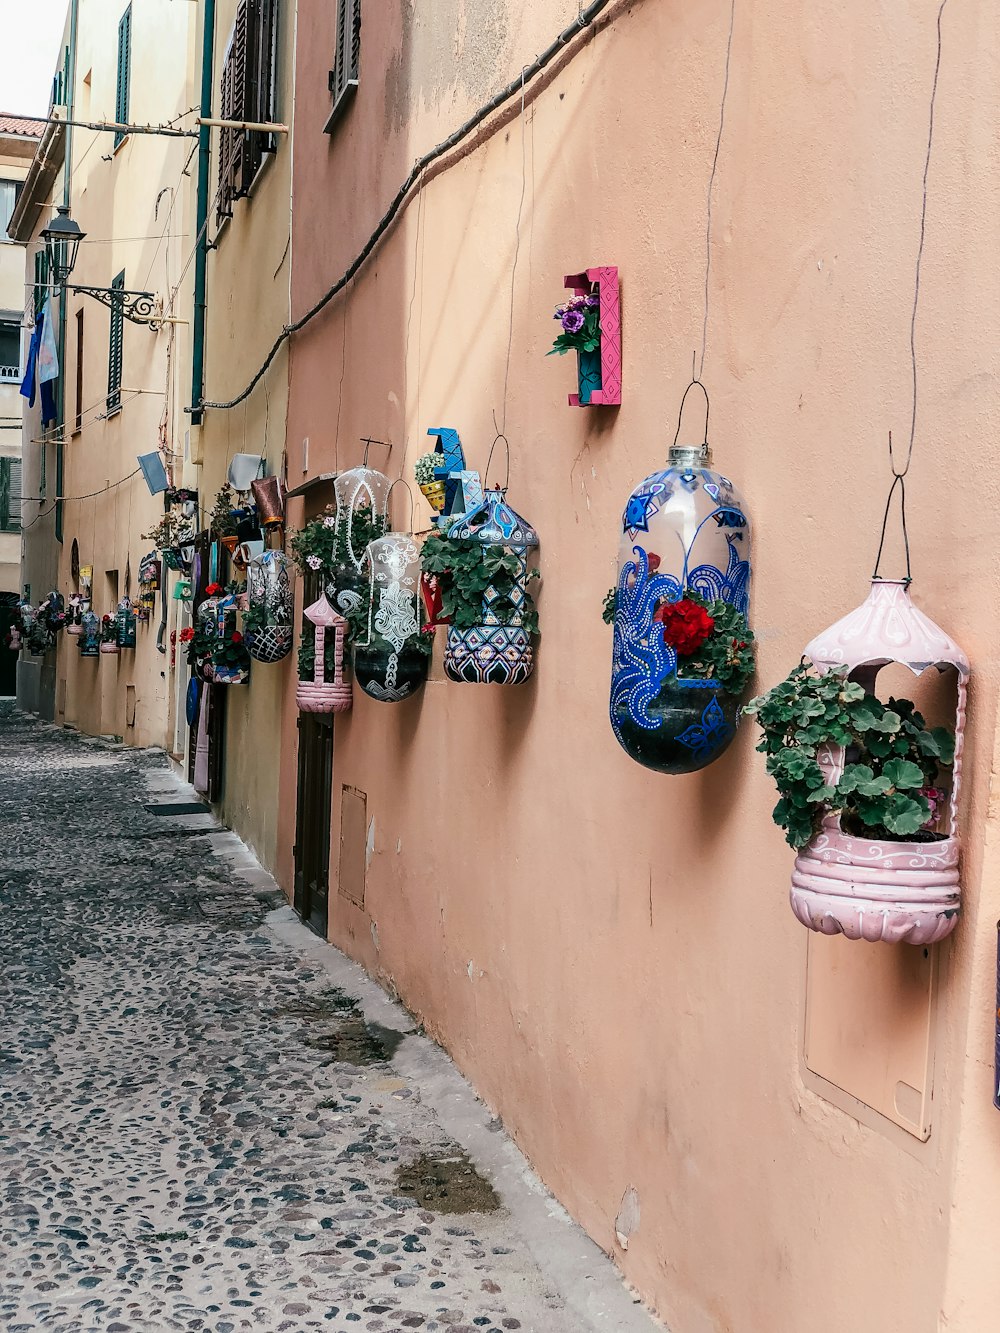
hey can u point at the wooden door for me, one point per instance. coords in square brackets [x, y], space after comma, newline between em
[314, 794]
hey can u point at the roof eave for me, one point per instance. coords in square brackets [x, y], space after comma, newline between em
[49, 157]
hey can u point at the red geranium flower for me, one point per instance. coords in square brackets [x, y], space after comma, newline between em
[686, 625]
[213, 590]
[237, 637]
[187, 635]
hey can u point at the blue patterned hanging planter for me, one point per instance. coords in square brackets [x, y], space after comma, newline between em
[682, 645]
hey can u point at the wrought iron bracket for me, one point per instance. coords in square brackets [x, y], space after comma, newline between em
[139, 307]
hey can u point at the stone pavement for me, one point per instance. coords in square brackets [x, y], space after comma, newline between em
[212, 1121]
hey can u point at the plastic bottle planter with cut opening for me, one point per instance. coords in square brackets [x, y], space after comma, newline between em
[498, 650]
[362, 495]
[126, 623]
[90, 637]
[599, 371]
[74, 615]
[675, 682]
[206, 628]
[109, 636]
[867, 887]
[268, 626]
[391, 664]
[322, 687]
[230, 659]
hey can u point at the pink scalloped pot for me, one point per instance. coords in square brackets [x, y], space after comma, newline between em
[864, 888]
[323, 698]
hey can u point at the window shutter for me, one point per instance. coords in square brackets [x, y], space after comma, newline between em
[115, 346]
[124, 71]
[4, 494]
[14, 492]
[247, 93]
[355, 60]
[346, 55]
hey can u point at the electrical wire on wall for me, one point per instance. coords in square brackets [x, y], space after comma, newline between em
[899, 474]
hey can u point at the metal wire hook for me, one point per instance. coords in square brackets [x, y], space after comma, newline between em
[506, 443]
[899, 479]
[695, 384]
[367, 441]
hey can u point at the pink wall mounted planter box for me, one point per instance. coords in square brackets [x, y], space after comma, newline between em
[603, 282]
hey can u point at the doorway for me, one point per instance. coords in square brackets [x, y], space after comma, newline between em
[8, 660]
[314, 794]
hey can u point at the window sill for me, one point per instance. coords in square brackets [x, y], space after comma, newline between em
[120, 145]
[112, 411]
[340, 105]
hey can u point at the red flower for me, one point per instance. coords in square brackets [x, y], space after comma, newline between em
[237, 637]
[428, 629]
[654, 561]
[213, 590]
[686, 625]
[187, 635]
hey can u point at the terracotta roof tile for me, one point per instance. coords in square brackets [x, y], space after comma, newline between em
[21, 125]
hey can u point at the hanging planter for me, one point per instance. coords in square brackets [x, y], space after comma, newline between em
[267, 621]
[126, 623]
[481, 567]
[173, 536]
[590, 326]
[683, 649]
[74, 615]
[432, 488]
[109, 636]
[322, 687]
[869, 792]
[90, 637]
[391, 663]
[202, 637]
[230, 660]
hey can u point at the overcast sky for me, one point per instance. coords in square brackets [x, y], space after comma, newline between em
[29, 53]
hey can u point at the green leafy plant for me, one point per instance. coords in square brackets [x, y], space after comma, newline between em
[322, 546]
[894, 761]
[465, 568]
[223, 520]
[307, 653]
[231, 652]
[172, 530]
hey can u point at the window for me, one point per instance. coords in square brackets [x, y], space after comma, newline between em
[10, 494]
[78, 415]
[115, 346]
[10, 350]
[247, 93]
[346, 57]
[124, 69]
[9, 194]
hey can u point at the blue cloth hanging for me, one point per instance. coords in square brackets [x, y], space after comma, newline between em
[47, 387]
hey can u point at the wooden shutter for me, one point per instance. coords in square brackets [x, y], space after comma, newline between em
[346, 55]
[115, 341]
[14, 492]
[78, 416]
[4, 494]
[124, 71]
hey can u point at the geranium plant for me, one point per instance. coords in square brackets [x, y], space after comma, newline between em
[580, 326]
[224, 520]
[464, 569]
[891, 785]
[320, 546]
[172, 530]
[711, 638]
[231, 652]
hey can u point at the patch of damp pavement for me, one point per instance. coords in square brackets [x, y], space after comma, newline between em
[196, 1132]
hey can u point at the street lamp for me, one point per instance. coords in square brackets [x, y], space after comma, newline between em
[62, 239]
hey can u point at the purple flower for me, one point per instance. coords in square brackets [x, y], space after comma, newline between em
[314, 562]
[593, 301]
[572, 321]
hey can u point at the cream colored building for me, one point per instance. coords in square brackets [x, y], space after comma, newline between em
[122, 388]
[18, 140]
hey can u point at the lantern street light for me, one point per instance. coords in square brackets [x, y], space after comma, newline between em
[62, 239]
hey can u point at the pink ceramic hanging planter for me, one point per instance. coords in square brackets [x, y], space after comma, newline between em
[317, 694]
[867, 887]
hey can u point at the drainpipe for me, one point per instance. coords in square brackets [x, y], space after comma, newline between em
[70, 75]
[201, 222]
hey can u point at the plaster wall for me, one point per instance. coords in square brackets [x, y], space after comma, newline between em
[248, 303]
[133, 201]
[608, 953]
[15, 155]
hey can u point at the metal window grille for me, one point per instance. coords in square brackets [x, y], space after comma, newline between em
[124, 70]
[115, 342]
[247, 92]
[346, 57]
[10, 494]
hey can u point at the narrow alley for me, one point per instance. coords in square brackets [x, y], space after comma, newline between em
[209, 1119]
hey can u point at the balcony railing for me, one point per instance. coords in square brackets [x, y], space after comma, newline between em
[10, 374]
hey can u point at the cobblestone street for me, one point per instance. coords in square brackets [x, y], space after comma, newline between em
[201, 1125]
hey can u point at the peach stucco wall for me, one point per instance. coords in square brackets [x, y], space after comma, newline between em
[609, 954]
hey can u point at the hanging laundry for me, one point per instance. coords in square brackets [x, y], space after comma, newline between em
[42, 353]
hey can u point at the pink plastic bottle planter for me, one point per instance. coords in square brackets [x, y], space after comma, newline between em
[319, 695]
[602, 283]
[863, 887]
